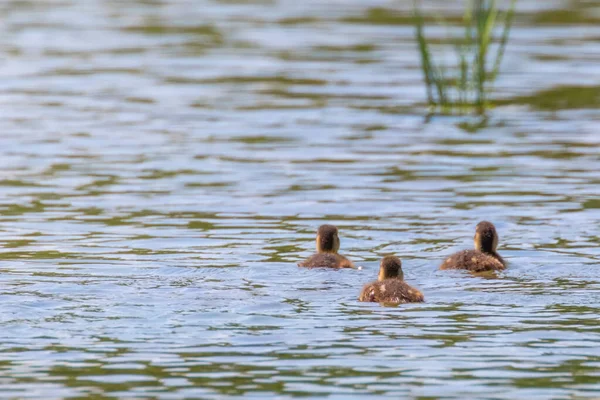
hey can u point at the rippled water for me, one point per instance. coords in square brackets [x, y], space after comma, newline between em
[165, 164]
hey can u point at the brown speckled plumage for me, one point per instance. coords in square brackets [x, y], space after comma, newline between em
[328, 260]
[328, 244]
[391, 290]
[472, 260]
[484, 257]
[390, 286]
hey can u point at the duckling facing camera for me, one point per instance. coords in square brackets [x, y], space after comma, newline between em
[484, 257]
[328, 245]
[390, 286]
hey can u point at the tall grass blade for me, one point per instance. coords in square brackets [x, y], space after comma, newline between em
[468, 87]
[425, 55]
[508, 19]
[481, 15]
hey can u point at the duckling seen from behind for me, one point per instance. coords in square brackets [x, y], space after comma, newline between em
[390, 286]
[328, 244]
[484, 257]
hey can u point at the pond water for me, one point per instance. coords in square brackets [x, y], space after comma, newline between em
[165, 164]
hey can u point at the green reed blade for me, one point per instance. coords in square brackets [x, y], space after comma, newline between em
[468, 85]
[424, 52]
[508, 19]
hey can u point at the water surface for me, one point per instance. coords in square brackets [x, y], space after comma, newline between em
[165, 164]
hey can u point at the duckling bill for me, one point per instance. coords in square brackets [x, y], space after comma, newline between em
[390, 286]
[484, 257]
[328, 245]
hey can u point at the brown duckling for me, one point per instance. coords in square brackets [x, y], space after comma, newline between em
[484, 257]
[390, 286]
[328, 244]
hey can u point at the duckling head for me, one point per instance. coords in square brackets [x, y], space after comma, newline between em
[486, 237]
[328, 240]
[390, 267]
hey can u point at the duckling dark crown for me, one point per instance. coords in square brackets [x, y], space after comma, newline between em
[486, 238]
[390, 267]
[326, 238]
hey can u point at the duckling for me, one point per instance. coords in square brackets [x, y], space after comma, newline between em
[328, 244]
[484, 257]
[390, 286]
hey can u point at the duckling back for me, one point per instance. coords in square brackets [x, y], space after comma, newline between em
[391, 290]
[328, 260]
[474, 261]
